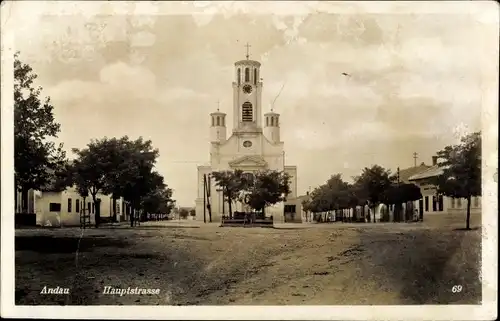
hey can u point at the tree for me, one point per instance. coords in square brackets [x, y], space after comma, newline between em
[158, 201]
[231, 183]
[132, 176]
[90, 169]
[183, 213]
[118, 166]
[267, 188]
[398, 194]
[192, 212]
[461, 177]
[374, 181]
[35, 157]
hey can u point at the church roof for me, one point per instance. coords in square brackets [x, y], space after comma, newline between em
[247, 62]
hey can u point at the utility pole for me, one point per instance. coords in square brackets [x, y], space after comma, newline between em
[204, 198]
[398, 175]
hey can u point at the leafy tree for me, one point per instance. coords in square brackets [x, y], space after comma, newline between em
[374, 181]
[183, 213]
[118, 166]
[158, 201]
[192, 212]
[133, 177]
[461, 176]
[35, 157]
[267, 188]
[398, 194]
[90, 169]
[232, 184]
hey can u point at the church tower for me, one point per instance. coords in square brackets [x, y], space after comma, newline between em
[247, 94]
[218, 127]
[272, 127]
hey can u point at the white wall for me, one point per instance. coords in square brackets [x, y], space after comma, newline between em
[69, 216]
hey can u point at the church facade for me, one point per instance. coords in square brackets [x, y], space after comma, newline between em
[254, 144]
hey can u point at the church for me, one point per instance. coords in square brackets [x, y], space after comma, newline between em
[254, 144]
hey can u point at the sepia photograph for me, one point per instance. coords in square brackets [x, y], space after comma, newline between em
[257, 160]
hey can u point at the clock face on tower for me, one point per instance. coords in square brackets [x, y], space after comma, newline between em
[247, 89]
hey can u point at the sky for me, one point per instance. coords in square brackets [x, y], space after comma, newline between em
[414, 81]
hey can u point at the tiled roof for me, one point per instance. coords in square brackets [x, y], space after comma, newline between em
[405, 174]
[431, 172]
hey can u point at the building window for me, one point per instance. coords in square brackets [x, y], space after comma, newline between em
[239, 76]
[434, 204]
[255, 76]
[247, 112]
[69, 205]
[267, 121]
[77, 206]
[452, 202]
[440, 202]
[223, 121]
[55, 207]
[89, 208]
[476, 201]
[218, 121]
[118, 208]
[247, 74]
[213, 121]
[459, 202]
[427, 203]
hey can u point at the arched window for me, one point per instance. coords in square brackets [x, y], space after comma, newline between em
[239, 76]
[247, 112]
[247, 74]
[255, 76]
[218, 121]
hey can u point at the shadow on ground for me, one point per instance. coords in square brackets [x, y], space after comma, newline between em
[425, 266]
[155, 227]
[49, 244]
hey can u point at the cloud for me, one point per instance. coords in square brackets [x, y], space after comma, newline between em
[413, 80]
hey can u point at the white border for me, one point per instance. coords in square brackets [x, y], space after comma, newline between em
[485, 11]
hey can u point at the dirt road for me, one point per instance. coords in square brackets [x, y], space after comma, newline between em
[330, 264]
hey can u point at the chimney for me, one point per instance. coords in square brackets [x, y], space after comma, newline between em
[434, 160]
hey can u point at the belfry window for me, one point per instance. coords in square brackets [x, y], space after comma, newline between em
[239, 76]
[218, 121]
[213, 121]
[272, 121]
[247, 112]
[255, 76]
[267, 121]
[247, 74]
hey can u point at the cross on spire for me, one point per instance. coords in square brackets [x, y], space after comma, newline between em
[415, 156]
[248, 49]
[218, 105]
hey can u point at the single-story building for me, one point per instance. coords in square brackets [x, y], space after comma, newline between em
[54, 208]
[432, 202]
